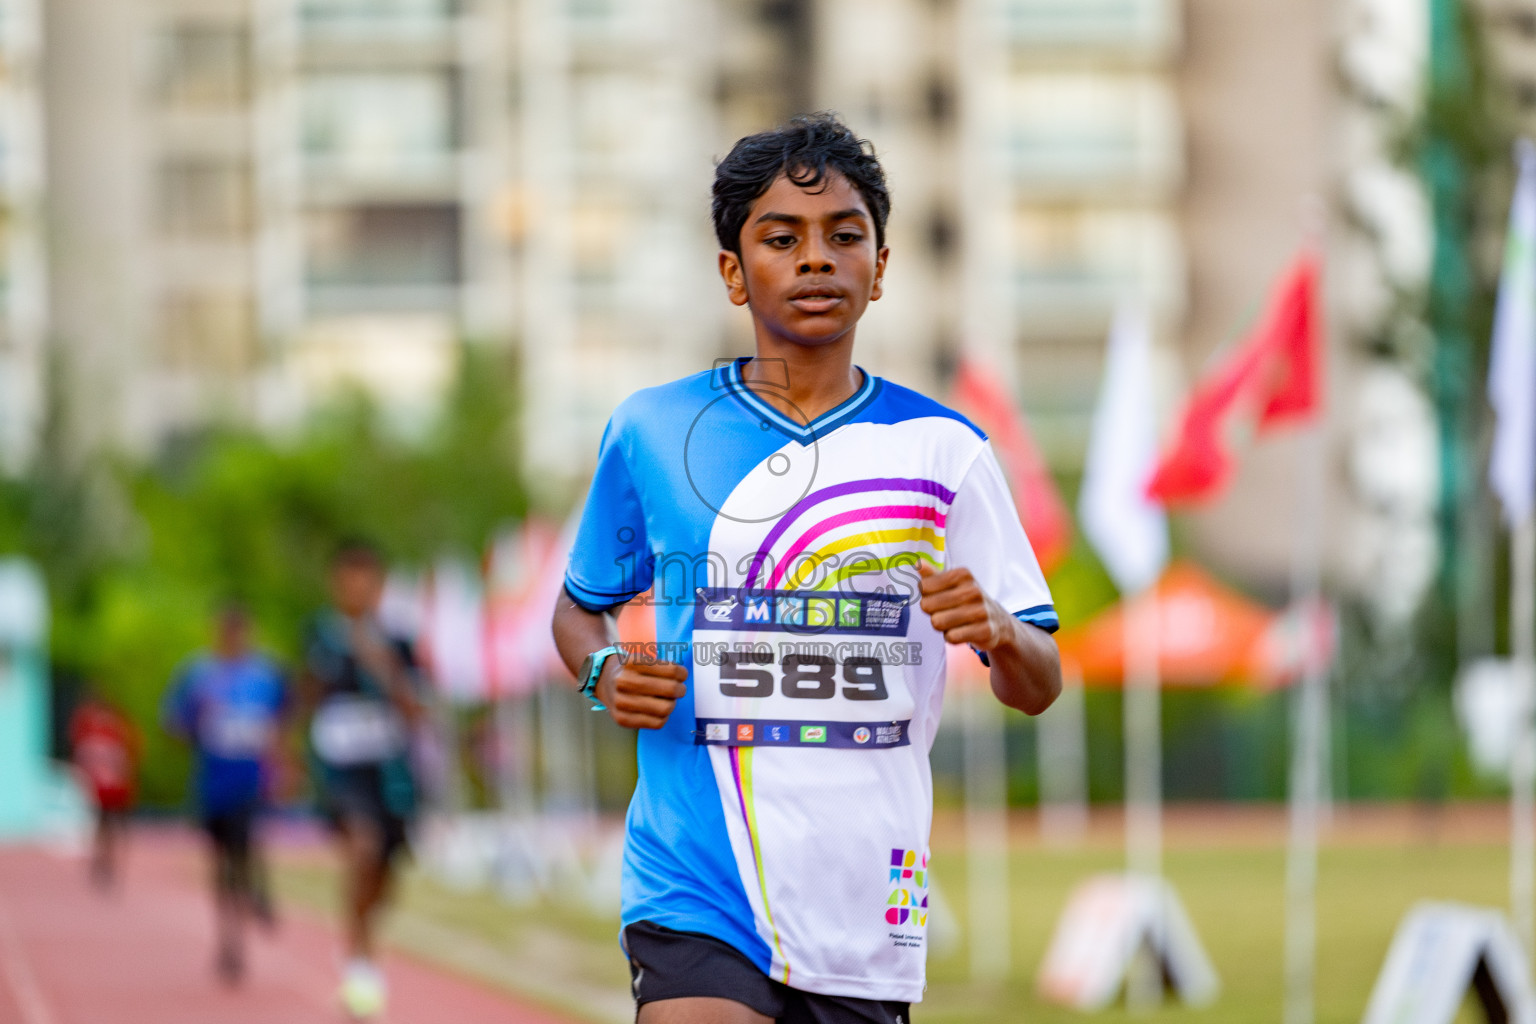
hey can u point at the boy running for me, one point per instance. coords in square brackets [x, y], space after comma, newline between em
[362, 686]
[229, 704]
[105, 750]
[814, 536]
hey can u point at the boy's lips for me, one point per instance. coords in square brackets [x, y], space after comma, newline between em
[815, 300]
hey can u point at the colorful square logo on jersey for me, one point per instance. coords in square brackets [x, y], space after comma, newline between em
[819, 612]
[717, 732]
[759, 609]
[908, 899]
[813, 734]
[848, 613]
[744, 734]
[791, 611]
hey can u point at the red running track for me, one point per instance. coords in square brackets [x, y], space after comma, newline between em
[143, 953]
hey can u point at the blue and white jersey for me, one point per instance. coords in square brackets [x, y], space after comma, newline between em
[231, 711]
[785, 806]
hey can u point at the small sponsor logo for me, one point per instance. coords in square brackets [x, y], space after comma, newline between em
[744, 734]
[776, 733]
[819, 611]
[813, 734]
[791, 611]
[886, 735]
[720, 611]
[717, 731]
[759, 609]
[883, 613]
[861, 735]
[848, 613]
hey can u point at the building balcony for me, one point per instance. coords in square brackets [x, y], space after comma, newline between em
[1086, 134]
[332, 178]
[1148, 28]
[324, 300]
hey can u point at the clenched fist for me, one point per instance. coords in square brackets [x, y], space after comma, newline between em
[641, 694]
[961, 610]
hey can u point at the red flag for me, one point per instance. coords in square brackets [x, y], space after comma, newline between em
[1275, 374]
[1041, 509]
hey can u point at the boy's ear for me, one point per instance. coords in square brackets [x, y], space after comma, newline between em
[734, 276]
[880, 259]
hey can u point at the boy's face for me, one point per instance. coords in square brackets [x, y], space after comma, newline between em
[356, 587]
[808, 265]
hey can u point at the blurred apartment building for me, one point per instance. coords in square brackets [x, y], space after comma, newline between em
[23, 272]
[253, 202]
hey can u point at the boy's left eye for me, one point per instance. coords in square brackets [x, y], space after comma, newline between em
[847, 237]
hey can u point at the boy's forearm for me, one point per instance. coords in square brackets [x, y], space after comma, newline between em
[579, 632]
[1026, 669]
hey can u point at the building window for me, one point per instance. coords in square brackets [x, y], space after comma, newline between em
[384, 246]
[209, 332]
[379, 124]
[205, 199]
[205, 65]
[1095, 24]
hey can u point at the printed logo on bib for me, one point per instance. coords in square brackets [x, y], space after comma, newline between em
[805, 612]
[842, 735]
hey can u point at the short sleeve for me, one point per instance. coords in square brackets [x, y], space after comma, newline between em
[178, 712]
[610, 558]
[983, 534]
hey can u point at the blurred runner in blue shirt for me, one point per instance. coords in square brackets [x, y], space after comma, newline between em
[229, 704]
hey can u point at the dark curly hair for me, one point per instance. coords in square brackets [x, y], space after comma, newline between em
[805, 149]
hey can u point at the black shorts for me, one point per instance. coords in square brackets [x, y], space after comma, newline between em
[356, 795]
[667, 964]
[231, 830]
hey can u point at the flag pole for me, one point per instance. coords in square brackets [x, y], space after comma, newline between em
[1522, 779]
[1061, 749]
[1310, 732]
[1143, 715]
[986, 835]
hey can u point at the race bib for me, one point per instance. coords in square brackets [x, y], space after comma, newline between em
[237, 733]
[348, 731]
[802, 668]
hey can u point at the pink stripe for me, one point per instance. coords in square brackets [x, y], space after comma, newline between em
[929, 513]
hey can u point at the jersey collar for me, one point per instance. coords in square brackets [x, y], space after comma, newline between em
[818, 427]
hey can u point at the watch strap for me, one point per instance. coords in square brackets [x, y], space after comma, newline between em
[599, 659]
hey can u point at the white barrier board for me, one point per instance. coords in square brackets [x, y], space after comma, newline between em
[1109, 921]
[1440, 952]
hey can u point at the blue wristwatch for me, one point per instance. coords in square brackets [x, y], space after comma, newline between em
[591, 671]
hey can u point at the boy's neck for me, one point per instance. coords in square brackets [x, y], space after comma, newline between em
[818, 378]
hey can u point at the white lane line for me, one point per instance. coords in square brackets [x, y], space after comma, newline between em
[18, 972]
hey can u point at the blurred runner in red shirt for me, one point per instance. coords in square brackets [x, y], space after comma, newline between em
[104, 748]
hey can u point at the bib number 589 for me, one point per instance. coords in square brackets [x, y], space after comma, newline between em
[801, 676]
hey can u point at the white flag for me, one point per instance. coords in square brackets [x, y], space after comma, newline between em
[1127, 529]
[1512, 365]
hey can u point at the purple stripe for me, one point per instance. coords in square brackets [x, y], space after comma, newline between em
[802, 506]
[933, 515]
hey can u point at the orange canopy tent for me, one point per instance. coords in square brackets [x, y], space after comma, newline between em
[1207, 635]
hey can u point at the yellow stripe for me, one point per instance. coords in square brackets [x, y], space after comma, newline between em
[744, 761]
[874, 565]
[808, 564]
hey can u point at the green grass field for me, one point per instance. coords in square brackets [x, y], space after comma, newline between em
[1232, 885]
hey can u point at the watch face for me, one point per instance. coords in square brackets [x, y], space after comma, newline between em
[585, 674]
